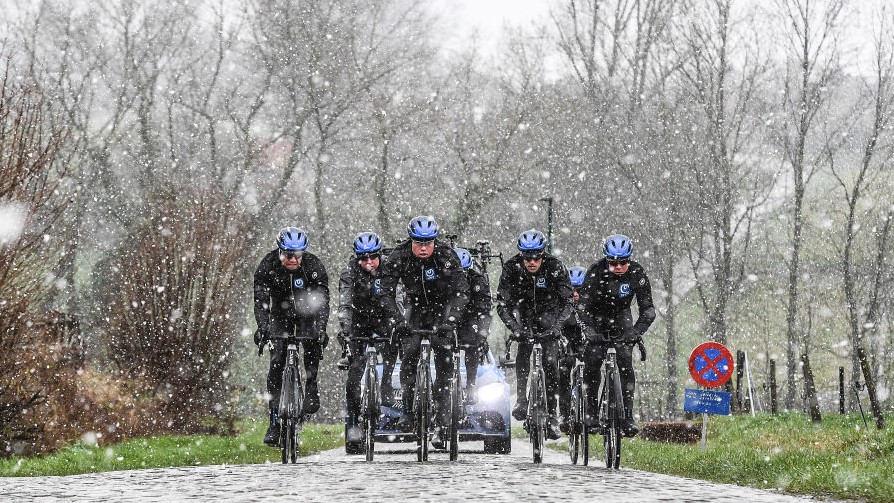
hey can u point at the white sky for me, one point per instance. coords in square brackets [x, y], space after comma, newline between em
[463, 17]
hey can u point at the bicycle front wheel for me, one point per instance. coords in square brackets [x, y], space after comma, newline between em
[456, 414]
[287, 440]
[612, 441]
[370, 416]
[423, 399]
[537, 425]
[574, 433]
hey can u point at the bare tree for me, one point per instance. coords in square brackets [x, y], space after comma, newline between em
[876, 156]
[731, 188]
[812, 65]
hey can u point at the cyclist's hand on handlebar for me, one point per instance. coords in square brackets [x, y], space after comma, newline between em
[261, 338]
[642, 349]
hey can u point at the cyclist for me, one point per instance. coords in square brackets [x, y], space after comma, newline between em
[360, 315]
[535, 295]
[572, 338]
[475, 325]
[436, 293]
[608, 289]
[291, 297]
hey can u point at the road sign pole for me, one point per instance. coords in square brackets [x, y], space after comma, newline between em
[704, 431]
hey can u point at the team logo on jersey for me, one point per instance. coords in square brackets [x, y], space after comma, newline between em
[299, 282]
[642, 281]
[624, 290]
[541, 282]
[429, 274]
[377, 285]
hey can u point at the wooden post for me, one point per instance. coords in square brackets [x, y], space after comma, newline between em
[773, 403]
[740, 366]
[841, 393]
[810, 390]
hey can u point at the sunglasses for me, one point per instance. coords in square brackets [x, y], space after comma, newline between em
[532, 258]
[367, 256]
[618, 263]
[430, 242]
[287, 254]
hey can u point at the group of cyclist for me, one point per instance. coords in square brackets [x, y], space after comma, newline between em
[573, 313]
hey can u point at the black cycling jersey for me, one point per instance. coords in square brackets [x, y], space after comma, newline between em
[605, 298]
[285, 296]
[357, 289]
[542, 299]
[434, 284]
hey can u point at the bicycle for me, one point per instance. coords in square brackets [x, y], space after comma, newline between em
[370, 395]
[610, 407]
[578, 437]
[538, 412]
[422, 395]
[291, 401]
[456, 399]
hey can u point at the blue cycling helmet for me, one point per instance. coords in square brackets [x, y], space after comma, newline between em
[465, 258]
[577, 275]
[422, 229]
[367, 242]
[292, 239]
[531, 241]
[617, 247]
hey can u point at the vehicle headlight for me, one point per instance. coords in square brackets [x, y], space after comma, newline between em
[491, 392]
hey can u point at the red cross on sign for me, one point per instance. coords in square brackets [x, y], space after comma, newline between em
[711, 364]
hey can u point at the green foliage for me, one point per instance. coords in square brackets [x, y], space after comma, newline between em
[166, 451]
[839, 457]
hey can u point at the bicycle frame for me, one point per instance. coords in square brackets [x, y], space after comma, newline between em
[370, 399]
[611, 409]
[291, 402]
[422, 396]
[537, 407]
[578, 436]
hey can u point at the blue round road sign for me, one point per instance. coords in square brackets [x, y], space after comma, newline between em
[711, 364]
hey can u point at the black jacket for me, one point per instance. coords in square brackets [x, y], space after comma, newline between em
[436, 283]
[542, 300]
[480, 301]
[291, 295]
[357, 302]
[605, 298]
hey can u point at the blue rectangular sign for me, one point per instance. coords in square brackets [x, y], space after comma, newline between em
[707, 401]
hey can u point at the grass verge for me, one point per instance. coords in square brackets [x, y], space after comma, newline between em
[161, 452]
[838, 457]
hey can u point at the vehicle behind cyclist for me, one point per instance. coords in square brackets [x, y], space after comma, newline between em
[360, 315]
[534, 295]
[571, 334]
[608, 289]
[475, 325]
[436, 293]
[291, 297]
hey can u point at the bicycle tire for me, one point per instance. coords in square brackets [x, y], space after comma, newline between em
[296, 440]
[371, 415]
[538, 416]
[455, 418]
[615, 429]
[285, 439]
[584, 432]
[423, 398]
[574, 433]
[612, 441]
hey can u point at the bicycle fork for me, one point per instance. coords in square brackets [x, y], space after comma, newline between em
[371, 360]
[290, 392]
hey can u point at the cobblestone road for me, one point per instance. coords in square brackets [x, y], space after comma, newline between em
[393, 476]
